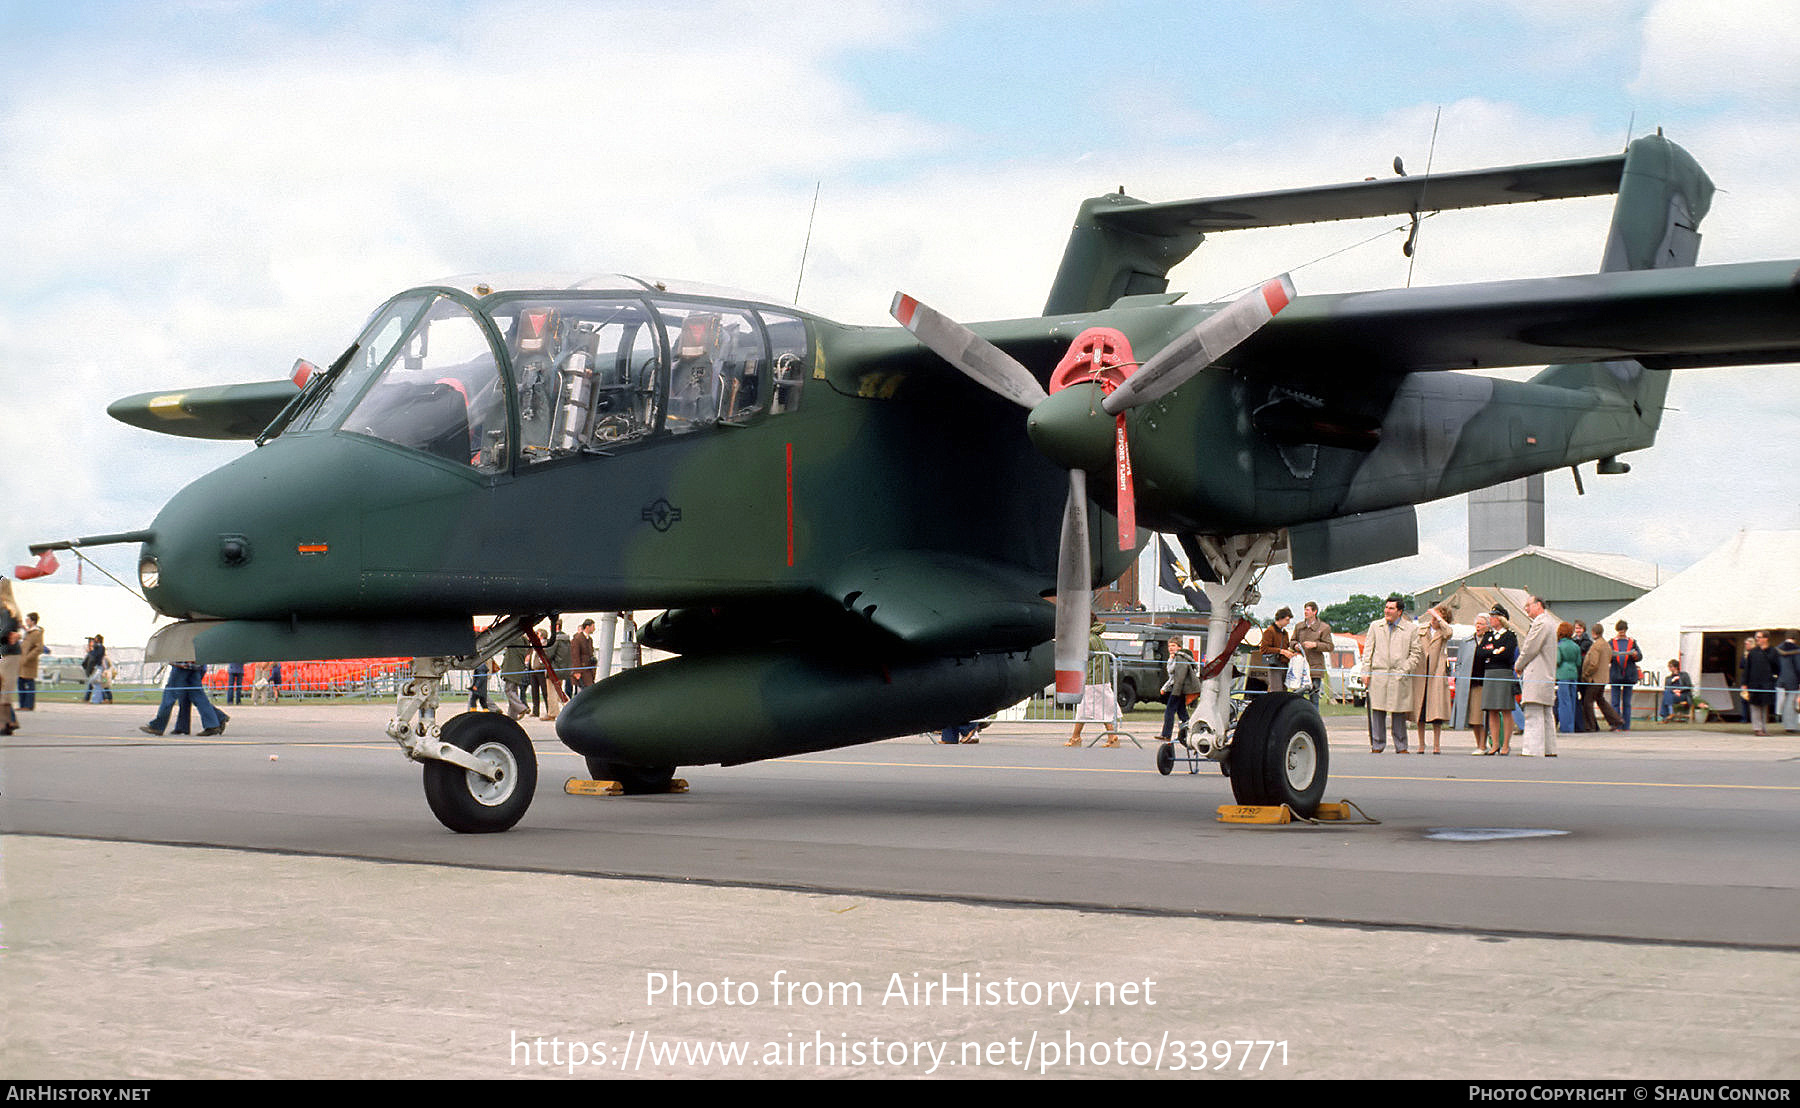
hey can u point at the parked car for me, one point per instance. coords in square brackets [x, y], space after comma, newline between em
[1140, 659]
[59, 669]
[1142, 654]
[1345, 669]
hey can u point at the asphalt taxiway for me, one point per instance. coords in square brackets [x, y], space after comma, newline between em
[279, 901]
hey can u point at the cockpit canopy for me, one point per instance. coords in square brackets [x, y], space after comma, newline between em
[523, 377]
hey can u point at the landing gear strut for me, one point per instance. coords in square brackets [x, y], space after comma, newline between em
[1275, 751]
[480, 767]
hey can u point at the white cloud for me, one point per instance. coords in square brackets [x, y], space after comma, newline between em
[1703, 50]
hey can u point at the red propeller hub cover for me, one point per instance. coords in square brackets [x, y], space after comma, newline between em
[1097, 354]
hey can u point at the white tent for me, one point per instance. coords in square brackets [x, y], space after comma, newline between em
[1751, 582]
[70, 613]
[1471, 600]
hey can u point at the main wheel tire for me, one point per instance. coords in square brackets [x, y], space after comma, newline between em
[1279, 754]
[637, 780]
[469, 803]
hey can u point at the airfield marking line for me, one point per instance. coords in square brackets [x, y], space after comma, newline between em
[195, 740]
[952, 765]
[1335, 777]
[184, 740]
[189, 740]
[113, 741]
[1530, 781]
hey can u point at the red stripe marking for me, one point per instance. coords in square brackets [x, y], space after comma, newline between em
[1069, 680]
[904, 308]
[1275, 296]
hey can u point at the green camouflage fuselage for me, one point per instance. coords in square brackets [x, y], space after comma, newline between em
[870, 555]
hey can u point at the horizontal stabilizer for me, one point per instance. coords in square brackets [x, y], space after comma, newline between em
[1121, 246]
[210, 412]
[1476, 188]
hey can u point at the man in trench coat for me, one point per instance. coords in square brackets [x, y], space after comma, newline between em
[1537, 682]
[1390, 651]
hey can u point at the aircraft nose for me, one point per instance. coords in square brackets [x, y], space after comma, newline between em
[198, 563]
[243, 542]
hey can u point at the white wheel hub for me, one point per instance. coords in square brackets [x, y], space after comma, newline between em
[1301, 762]
[506, 774]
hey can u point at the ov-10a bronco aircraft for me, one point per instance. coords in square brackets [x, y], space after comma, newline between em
[854, 531]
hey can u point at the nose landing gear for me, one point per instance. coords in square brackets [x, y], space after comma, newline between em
[480, 767]
[476, 802]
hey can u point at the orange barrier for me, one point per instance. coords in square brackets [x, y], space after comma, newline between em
[318, 678]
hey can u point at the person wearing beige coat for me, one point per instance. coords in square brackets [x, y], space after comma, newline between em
[1537, 682]
[1390, 651]
[1430, 689]
[1595, 667]
[31, 649]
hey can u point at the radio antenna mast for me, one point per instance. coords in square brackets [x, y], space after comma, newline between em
[1412, 241]
[808, 245]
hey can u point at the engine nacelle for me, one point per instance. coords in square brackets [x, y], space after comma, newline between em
[729, 709]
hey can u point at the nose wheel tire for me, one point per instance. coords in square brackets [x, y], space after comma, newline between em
[467, 802]
[1279, 754]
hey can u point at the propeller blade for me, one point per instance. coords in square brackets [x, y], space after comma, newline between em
[978, 358]
[1176, 363]
[1074, 594]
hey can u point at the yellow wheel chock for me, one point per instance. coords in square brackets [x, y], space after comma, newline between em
[1281, 813]
[581, 786]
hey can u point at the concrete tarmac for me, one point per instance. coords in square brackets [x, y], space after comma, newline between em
[130, 959]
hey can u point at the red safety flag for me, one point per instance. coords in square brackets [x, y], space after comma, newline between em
[1127, 493]
[46, 565]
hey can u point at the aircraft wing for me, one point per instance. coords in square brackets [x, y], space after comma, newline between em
[212, 412]
[1739, 314]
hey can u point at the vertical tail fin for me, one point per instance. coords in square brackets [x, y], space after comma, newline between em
[1663, 195]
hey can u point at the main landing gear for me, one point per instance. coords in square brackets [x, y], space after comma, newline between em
[1278, 754]
[1275, 750]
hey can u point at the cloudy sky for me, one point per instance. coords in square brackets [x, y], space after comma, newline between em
[198, 193]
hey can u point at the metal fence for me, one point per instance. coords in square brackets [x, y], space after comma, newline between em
[1042, 707]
